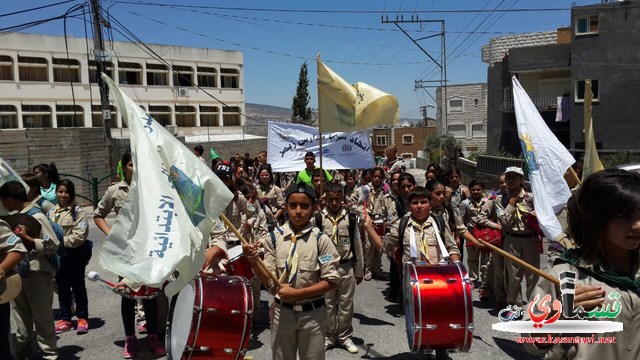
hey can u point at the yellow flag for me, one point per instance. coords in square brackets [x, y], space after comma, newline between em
[345, 107]
[592, 163]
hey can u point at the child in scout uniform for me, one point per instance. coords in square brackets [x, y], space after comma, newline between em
[270, 196]
[306, 263]
[341, 226]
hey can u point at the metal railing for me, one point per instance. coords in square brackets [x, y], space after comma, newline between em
[93, 182]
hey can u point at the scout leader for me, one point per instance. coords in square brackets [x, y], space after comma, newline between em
[306, 263]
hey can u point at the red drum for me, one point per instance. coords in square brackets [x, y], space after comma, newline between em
[379, 227]
[210, 318]
[238, 264]
[145, 292]
[438, 307]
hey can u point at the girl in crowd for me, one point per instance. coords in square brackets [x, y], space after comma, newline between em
[72, 265]
[48, 177]
[406, 184]
[477, 261]
[604, 218]
[270, 196]
[460, 192]
[440, 209]
[34, 195]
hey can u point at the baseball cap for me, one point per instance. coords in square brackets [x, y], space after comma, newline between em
[514, 169]
[301, 188]
[223, 169]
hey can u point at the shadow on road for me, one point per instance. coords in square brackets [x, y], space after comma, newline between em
[513, 349]
[365, 320]
[69, 352]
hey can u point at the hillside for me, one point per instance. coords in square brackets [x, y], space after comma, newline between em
[260, 113]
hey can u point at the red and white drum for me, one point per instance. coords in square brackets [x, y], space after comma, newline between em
[238, 264]
[438, 307]
[210, 319]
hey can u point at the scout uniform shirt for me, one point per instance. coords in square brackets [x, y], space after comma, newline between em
[9, 242]
[339, 235]
[491, 211]
[46, 244]
[424, 233]
[271, 197]
[75, 231]
[512, 219]
[113, 199]
[381, 205]
[317, 257]
[470, 210]
[239, 212]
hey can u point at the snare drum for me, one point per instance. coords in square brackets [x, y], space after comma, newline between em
[210, 318]
[438, 307]
[238, 264]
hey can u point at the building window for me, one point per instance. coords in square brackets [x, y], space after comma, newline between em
[207, 76]
[69, 116]
[381, 140]
[580, 90]
[65, 70]
[8, 117]
[229, 78]
[209, 116]
[157, 75]
[182, 75]
[93, 71]
[185, 116]
[130, 73]
[458, 131]
[96, 116]
[6, 67]
[36, 116]
[231, 116]
[478, 131]
[32, 69]
[586, 25]
[407, 139]
[161, 114]
[456, 105]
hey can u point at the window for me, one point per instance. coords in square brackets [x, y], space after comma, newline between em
[587, 25]
[231, 116]
[458, 131]
[478, 131]
[6, 68]
[229, 78]
[407, 139]
[161, 114]
[96, 116]
[157, 75]
[456, 105]
[209, 116]
[8, 117]
[580, 90]
[93, 72]
[182, 75]
[381, 140]
[130, 73]
[185, 116]
[207, 76]
[69, 116]
[32, 69]
[36, 116]
[65, 70]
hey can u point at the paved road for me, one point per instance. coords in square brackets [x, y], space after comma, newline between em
[379, 328]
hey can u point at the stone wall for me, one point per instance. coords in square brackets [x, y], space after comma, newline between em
[498, 47]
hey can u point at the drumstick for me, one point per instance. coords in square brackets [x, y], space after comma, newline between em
[520, 262]
[260, 264]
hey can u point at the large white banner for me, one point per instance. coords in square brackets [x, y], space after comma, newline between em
[341, 150]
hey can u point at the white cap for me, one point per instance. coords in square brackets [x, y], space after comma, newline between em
[514, 169]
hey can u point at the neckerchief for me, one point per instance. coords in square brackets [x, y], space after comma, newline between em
[622, 281]
[335, 221]
[424, 248]
[291, 267]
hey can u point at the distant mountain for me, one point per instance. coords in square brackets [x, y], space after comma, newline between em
[258, 113]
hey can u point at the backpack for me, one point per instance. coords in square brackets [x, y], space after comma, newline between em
[54, 259]
[352, 228]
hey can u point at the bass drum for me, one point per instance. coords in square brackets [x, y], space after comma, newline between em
[438, 307]
[210, 319]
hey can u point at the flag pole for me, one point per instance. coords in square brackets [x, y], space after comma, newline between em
[520, 262]
[319, 131]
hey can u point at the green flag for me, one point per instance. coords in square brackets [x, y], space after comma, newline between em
[213, 154]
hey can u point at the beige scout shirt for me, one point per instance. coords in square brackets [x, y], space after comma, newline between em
[45, 245]
[317, 257]
[113, 199]
[272, 197]
[512, 220]
[380, 206]
[627, 345]
[424, 231]
[490, 212]
[342, 241]
[75, 231]
[9, 242]
[238, 212]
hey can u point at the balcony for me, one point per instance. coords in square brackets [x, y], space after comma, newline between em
[542, 104]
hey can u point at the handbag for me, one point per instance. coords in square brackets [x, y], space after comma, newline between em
[492, 236]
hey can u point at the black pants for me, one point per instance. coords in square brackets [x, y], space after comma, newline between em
[395, 278]
[128, 310]
[5, 331]
[70, 279]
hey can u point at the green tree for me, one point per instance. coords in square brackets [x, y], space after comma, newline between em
[300, 106]
[439, 146]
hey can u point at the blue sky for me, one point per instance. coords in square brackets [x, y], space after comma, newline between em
[355, 44]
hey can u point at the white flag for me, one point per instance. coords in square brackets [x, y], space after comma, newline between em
[546, 159]
[173, 200]
[8, 174]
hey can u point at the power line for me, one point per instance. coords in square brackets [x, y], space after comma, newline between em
[36, 8]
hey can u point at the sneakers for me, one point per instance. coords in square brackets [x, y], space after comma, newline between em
[155, 346]
[63, 325]
[142, 328]
[328, 343]
[83, 326]
[350, 346]
[129, 347]
[368, 276]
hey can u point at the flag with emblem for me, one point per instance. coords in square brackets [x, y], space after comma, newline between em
[546, 160]
[164, 226]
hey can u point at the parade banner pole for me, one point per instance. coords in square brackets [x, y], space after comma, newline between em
[520, 262]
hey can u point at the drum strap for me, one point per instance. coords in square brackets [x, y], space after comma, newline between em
[443, 249]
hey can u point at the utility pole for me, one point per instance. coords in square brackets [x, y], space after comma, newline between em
[101, 56]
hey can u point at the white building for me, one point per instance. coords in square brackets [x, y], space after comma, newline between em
[35, 88]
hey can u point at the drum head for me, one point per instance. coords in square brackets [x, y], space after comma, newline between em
[181, 321]
[409, 307]
[235, 252]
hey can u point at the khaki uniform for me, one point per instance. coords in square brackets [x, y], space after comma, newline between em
[34, 303]
[477, 260]
[457, 196]
[301, 331]
[75, 231]
[423, 232]
[627, 345]
[340, 301]
[496, 273]
[272, 197]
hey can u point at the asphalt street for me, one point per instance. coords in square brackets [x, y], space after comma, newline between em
[379, 327]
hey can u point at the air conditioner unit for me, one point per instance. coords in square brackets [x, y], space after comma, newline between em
[183, 92]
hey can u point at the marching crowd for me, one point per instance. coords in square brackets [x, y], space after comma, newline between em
[315, 235]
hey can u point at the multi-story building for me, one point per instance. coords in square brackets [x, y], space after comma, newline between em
[408, 140]
[466, 115]
[43, 85]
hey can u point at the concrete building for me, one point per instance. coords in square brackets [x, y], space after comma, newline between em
[466, 117]
[43, 87]
[408, 140]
